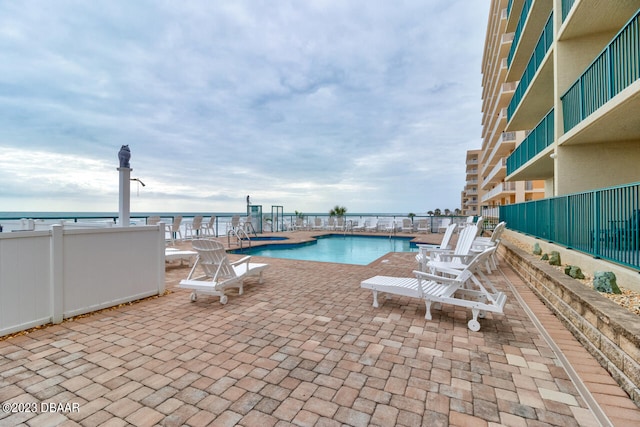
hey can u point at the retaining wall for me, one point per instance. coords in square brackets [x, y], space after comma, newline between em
[609, 332]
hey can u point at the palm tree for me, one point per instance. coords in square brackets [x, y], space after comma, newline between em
[338, 211]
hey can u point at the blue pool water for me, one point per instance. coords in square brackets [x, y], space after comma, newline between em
[360, 250]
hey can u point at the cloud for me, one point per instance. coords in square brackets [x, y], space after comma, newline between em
[303, 104]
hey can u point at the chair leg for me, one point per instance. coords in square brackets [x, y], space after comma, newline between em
[427, 315]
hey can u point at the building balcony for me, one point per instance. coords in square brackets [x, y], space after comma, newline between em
[497, 174]
[585, 18]
[499, 191]
[493, 139]
[536, 78]
[531, 23]
[527, 160]
[502, 149]
[603, 103]
[514, 9]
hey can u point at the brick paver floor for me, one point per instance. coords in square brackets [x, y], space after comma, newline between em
[304, 348]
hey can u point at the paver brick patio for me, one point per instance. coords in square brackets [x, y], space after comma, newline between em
[304, 348]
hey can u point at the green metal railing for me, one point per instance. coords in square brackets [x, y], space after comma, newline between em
[617, 67]
[604, 223]
[541, 49]
[566, 8]
[539, 139]
[526, 7]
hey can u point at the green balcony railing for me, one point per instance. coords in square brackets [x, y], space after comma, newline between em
[604, 223]
[539, 139]
[526, 7]
[566, 8]
[540, 51]
[617, 67]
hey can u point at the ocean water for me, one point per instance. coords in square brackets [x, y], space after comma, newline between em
[15, 220]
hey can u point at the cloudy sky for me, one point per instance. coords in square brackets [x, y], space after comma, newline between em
[368, 104]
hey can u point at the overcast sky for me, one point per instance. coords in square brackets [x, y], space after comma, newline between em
[367, 104]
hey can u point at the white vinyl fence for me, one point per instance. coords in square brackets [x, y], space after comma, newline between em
[47, 276]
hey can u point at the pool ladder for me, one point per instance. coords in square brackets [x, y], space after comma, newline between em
[240, 235]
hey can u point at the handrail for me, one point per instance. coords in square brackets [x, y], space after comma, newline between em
[604, 223]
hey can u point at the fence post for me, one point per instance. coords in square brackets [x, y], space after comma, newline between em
[596, 223]
[161, 256]
[56, 288]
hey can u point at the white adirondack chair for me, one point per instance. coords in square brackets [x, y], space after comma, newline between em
[219, 273]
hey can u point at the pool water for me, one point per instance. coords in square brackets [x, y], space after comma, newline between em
[349, 249]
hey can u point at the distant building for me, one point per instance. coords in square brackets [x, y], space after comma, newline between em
[470, 195]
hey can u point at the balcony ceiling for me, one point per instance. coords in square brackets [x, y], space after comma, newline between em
[538, 15]
[608, 123]
[537, 101]
[597, 16]
[516, 9]
[540, 167]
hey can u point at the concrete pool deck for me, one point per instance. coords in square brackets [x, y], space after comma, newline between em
[307, 348]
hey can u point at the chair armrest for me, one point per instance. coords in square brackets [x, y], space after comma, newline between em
[450, 257]
[440, 279]
[240, 261]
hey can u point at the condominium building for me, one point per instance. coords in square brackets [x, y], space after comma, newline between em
[497, 144]
[572, 79]
[576, 65]
[470, 195]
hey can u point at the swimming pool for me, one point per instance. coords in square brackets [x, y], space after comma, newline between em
[338, 248]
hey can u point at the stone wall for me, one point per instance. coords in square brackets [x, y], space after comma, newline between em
[609, 332]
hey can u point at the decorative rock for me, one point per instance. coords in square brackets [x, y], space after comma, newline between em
[537, 250]
[545, 257]
[554, 259]
[574, 271]
[605, 281]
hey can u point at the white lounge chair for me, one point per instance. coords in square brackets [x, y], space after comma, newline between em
[457, 287]
[174, 229]
[219, 273]
[423, 249]
[482, 243]
[209, 228]
[372, 225]
[424, 226]
[444, 223]
[461, 254]
[360, 225]
[317, 224]
[193, 229]
[174, 254]
[407, 225]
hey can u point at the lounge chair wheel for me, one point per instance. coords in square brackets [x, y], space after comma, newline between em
[223, 299]
[474, 325]
[482, 314]
[193, 296]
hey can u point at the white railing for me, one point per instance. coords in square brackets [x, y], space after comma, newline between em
[47, 276]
